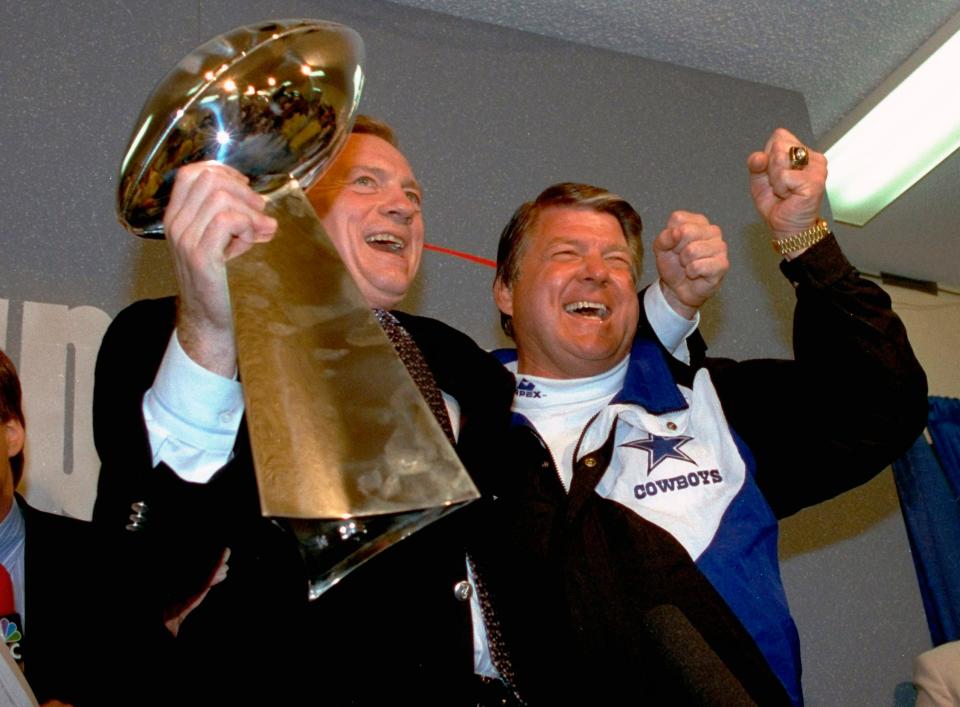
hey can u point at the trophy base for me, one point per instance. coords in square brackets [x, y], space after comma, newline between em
[332, 548]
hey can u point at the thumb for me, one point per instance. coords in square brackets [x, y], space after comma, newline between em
[666, 241]
[757, 163]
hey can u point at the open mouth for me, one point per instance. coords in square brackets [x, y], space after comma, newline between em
[585, 308]
[386, 242]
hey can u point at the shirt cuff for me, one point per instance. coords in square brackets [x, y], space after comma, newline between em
[190, 411]
[671, 329]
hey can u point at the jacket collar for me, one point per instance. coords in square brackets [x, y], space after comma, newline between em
[649, 382]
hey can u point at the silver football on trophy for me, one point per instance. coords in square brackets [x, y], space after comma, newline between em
[275, 99]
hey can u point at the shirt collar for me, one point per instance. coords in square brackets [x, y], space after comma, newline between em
[539, 393]
[648, 383]
[11, 532]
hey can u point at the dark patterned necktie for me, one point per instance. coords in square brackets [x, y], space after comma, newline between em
[412, 358]
[498, 651]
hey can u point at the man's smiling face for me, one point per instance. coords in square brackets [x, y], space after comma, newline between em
[369, 204]
[573, 302]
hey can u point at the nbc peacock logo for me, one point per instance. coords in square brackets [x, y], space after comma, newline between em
[9, 631]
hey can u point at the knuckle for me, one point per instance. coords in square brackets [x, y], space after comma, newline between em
[207, 177]
[224, 220]
[186, 174]
[175, 230]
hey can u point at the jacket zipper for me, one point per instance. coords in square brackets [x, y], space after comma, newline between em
[576, 448]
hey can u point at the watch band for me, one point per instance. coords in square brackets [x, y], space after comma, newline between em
[803, 239]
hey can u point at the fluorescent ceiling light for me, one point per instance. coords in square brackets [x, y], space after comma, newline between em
[904, 132]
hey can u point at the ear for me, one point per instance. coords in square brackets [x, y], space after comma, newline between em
[503, 296]
[15, 436]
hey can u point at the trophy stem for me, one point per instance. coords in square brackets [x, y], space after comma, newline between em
[341, 435]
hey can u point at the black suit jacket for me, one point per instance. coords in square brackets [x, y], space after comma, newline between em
[87, 641]
[390, 631]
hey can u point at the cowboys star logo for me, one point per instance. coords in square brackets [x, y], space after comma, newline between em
[659, 449]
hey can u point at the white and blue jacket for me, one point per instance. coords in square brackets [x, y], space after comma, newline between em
[678, 484]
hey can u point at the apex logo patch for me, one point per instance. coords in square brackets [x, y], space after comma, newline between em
[526, 389]
[659, 449]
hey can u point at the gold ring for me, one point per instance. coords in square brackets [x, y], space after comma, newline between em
[799, 157]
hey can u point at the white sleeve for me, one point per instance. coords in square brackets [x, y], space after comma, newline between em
[192, 416]
[671, 328]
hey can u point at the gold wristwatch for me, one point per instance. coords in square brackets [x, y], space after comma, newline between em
[803, 239]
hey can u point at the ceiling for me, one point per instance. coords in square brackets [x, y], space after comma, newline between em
[833, 52]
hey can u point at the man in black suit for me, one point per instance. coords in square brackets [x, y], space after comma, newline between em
[394, 626]
[83, 642]
[402, 626]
